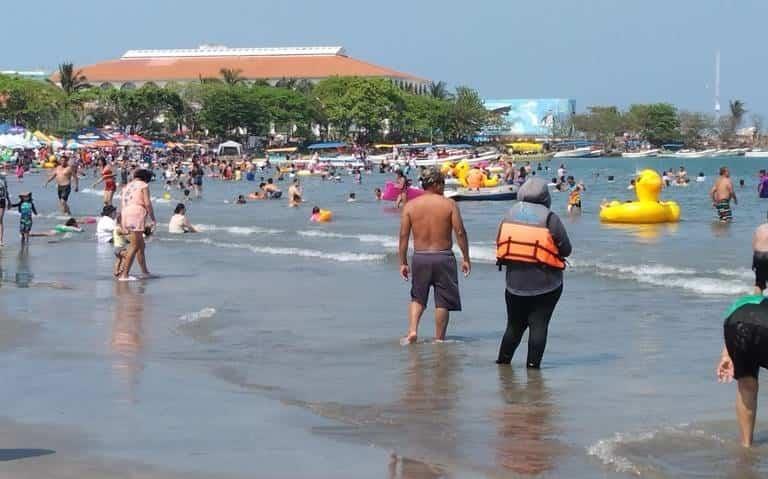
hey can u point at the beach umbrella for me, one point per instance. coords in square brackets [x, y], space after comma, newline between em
[73, 145]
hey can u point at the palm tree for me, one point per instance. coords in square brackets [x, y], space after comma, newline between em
[71, 80]
[737, 112]
[439, 90]
[231, 76]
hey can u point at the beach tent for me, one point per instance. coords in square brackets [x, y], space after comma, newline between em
[230, 148]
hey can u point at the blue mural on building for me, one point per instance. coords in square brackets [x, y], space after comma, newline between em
[529, 117]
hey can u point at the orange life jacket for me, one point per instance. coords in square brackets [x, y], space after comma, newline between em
[524, 243]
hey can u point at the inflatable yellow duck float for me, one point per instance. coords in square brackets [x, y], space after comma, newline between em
[469, 177]
[647, 209]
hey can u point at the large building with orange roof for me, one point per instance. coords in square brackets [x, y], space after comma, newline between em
[160, 67]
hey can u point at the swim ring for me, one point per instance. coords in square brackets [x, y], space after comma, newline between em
[323, 216]
[647, 209]
[391, 192]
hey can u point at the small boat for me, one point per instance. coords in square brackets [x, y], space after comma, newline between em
[696, 154]
[499, 193]
[641, 154]
[584, 152]
[756, 154]
[455, 158]
[731, 152]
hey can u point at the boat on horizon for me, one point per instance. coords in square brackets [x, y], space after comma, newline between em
[696, 153]
[641, 154]
[583, 152]
[731, 152]
[756, 154]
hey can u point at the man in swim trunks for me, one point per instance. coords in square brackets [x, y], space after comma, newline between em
[64, 175]
[433, 219]
[760, 257]
[746, 334]
[721, 194]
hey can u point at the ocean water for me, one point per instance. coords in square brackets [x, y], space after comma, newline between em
[268, 345]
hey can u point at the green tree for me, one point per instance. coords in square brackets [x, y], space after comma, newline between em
[231, 76]
[439, 90]
[658, 122]
[71, 80]
[467, 115]
[737, 112]
[695, 128]
[226, 109]
[601, 123]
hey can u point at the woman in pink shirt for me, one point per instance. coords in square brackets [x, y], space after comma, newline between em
[136, 206]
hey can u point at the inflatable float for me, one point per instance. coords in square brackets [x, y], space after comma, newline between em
[647, 209]
[323, 216]
[468, 176]
[391, 192]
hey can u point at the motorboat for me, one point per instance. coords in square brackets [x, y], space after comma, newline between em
[456, 157]
[756, 154]
[732, 152]
[640, 154]
[696, 154]
[498, 193]
[584, 152]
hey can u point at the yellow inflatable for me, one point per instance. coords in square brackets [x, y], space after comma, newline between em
[647, 209]
[469, 177]
[323, 216]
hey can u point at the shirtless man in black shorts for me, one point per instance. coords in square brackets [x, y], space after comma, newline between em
[746, 334]
[64, 175]
[433, 219]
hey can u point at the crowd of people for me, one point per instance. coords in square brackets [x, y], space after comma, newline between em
[532, 242]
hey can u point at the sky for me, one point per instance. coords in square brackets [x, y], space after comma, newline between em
[598, 52]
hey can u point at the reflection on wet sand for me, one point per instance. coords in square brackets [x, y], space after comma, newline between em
[525, 441]
[428, 406]
[127, 339]
[24, 274]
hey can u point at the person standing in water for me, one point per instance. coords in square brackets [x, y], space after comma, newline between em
[760, 257]
[5, 203]
[108, 178]
[433, 220]
[532, 243]
[722, 194]
[746, 333]
[294, 194]
[65, 175]
[136, 206]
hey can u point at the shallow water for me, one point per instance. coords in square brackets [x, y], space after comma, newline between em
[268, 346]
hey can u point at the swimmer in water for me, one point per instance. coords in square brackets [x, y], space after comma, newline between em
[179, 223]
[315, 214]
[294, 194]
[760, 257]
[574, 199]
[352, 198]
[71, 226]
[631, 184]
[701, 178]
[377, 194]
[240, 200]
[746, 332]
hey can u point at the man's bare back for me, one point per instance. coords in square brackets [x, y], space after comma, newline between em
[432, 219]
[760, 238]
